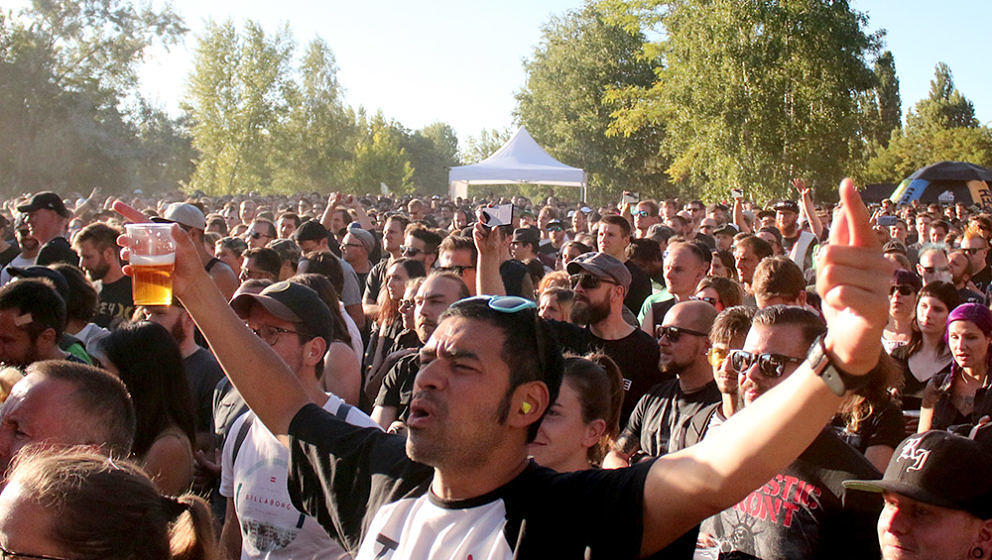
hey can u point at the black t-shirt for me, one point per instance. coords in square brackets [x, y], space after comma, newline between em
[640, 288]
[884, 426]
[57, 250]
[803, 512]
[373, 282]
[116, 304]
[397, 385]
[512, 273]
[911, 392]
[662, 417]
[969, 296]
[363, 489]
[203, 372]
[660, 308]
[636, 355]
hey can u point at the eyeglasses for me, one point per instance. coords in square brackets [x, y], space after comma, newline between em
[408, 251]
[406, 304]
[674, 334]
[709, 300]
[7, 554]
[935, 269]
[258, 234]
[555, 228]
[271, 334]
[588, 281]
[770, 365]
[457, 269]
[641, 213]
[355, 245]
[971, 251]
[716, 356]
[904, 289]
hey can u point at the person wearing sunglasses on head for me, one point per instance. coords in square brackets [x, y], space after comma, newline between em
[657, 425]
[461, 480]
[811, 520]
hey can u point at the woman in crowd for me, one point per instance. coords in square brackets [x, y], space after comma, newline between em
[870, 421]
[926, 354]
[721, 293]
[723, 265]
[556, 304]
[961, 395]
[902, 309]
[582, 424]
[73, 503]
[389, 324]
[146, 358]
[408, 339]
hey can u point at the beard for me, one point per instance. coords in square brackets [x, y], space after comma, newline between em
[589, 313]
[99, 272]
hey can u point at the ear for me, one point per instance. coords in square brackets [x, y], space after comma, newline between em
[313, 351]
[919, 269]
[186, 320]
[594, 432]
[47, 337]
[801, 300]
[535, 394]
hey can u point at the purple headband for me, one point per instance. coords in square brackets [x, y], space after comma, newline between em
[977, 314]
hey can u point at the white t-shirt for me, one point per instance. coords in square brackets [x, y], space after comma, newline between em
[271, 527]
[18, 262]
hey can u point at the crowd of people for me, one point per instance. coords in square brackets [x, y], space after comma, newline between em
[380, 377]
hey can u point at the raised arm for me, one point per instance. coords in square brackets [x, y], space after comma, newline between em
[686, 487]
[739, 219]
[487, 279]
[808, 208]
[268, 386]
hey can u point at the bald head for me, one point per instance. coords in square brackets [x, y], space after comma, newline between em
[694, 315]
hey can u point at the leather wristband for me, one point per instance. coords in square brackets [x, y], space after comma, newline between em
[837, 380]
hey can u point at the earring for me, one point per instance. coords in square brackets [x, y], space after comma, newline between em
[977, 552]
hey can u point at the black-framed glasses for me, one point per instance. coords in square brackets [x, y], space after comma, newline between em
[673, 334]
[457, 269]
[770, 365]
[8, 554]
[271, 334]
[409, 251]
[904, 289]
[710, 300]
[588, 281]
[258, 235]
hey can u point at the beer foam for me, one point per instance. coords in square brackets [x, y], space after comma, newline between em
[153, 260]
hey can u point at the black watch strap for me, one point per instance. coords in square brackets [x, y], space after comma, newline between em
[837, 380]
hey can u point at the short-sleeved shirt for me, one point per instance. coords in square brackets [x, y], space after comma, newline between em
[884, 426]
[359, 484]
[662, 417]
[640, 287]
[373, 282]
[116, 303]
[397, 385]
[802, 512]
[203, 372]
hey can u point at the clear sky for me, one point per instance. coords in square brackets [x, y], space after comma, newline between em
[460, 61]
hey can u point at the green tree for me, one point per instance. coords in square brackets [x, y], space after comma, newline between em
[65, 69]
[562, 105]
[753, 93]
[883, 110]
[432, 150]
[379, 157]
[237, 101]
[315, 146]
[940, 127]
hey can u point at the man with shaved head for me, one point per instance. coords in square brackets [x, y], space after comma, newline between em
[659, 422]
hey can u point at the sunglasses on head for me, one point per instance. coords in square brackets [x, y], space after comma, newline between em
[770, 365]
[515, 304]
[674, 333]
[904, 289]
[588, 281]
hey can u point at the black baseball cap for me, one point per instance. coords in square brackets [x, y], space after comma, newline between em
[47, 200]
[37, 271]
[941, 469]
[786, 206]
[291, 302]
[527, 235]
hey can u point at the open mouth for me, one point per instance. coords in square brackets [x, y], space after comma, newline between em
[420, 415]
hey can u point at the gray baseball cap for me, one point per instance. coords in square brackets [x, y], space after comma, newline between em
[602, 265]
[182, 214]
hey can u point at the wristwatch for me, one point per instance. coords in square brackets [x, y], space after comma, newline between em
[838, 381]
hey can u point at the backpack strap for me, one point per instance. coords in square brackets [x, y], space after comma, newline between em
[242, 434]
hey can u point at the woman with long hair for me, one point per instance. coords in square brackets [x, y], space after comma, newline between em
[926, 354]
[581, 425]
[721, 293]
[74, 503]
[961, 395]
[902, 310]
[388, 327]
[147, 359]
[869, 419]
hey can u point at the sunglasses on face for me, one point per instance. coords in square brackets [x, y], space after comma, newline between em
[904, 289]
[641, 213]
[7, 554]
[410, 251]
[709, 300]
[716, 356]
[457, 269]
[971, 251]
[406, 304]
[555, 228]
[673, 334]
[588, 281]
[258, 234]
[770, 365]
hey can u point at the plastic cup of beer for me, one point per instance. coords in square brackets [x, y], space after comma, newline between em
[153, 259]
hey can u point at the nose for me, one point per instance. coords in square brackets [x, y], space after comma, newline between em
[892, 520]
[430, 377]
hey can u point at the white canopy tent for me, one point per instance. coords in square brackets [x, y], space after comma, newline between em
[520, 160]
